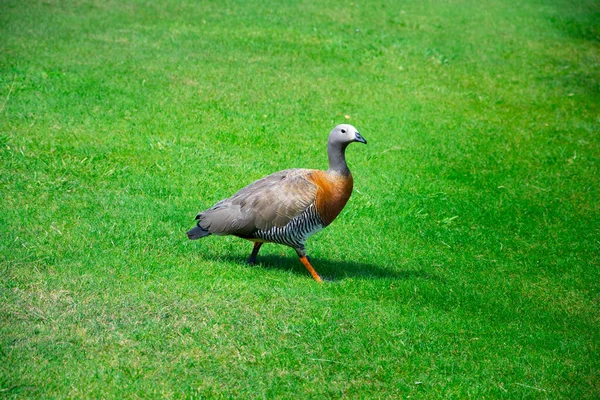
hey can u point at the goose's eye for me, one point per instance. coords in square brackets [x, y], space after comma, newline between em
[343, 131]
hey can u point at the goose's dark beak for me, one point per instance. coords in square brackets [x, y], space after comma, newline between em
[358, 138]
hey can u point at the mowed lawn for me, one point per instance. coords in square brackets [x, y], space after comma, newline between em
[465, 265]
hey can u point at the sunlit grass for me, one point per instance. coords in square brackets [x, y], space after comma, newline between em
[465, 265]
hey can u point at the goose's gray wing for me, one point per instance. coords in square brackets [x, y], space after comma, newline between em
[272, 201]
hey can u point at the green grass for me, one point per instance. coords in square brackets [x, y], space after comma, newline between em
[466, 264]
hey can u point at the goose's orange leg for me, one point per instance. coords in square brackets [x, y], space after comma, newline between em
[255, 250]
[312, 271]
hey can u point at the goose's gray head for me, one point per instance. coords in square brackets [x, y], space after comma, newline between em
[345, 134]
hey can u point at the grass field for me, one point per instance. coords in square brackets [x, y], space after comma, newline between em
[466, 264]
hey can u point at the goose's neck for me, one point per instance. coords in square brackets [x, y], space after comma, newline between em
[337, 159]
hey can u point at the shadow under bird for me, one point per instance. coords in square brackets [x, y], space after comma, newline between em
[286, 207]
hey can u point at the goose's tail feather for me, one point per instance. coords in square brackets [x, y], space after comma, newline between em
[197, 233]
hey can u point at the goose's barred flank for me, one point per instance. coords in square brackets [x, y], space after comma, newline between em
[296, 232]
[286, 207]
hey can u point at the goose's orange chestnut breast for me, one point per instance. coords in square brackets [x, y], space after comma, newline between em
[333, 193]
